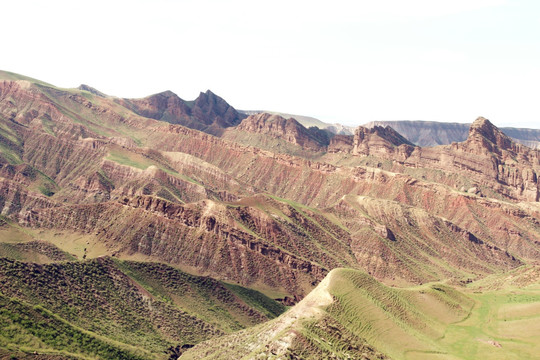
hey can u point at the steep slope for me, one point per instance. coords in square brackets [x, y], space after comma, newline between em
[426, 133]
[394, 242]
[111, 299]
[91, 90]
[352, 316]
[268, 204]
[321, 185]
[488, 156]
[164, 106]
[103, 168]
[258, 240]
[266, 130]
[379, 141]
[215, 111]
[208, 112]
[308, 121]
[432, 133]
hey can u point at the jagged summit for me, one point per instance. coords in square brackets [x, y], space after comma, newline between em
[483, 132]
[83, 177]
[209, 112]
[384, 132]
[433, 133]
[382, 141]
[164, 106]
[212, 109]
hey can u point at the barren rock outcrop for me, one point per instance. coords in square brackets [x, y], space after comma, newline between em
[289, 130]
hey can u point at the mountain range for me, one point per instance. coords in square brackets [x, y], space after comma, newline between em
[160, 228]
[431, 133]
[418, 132]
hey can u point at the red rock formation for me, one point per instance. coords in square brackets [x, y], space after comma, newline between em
[341, 144]
[278, 127]
[208, 112]
[488, 156]
[121, 178]
[166, 106]
[381, 142]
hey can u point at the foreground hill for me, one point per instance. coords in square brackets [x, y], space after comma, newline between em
[116, 309]
[261, 203]
[352, 316]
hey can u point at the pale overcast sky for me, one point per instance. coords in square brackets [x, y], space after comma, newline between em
[340, 61]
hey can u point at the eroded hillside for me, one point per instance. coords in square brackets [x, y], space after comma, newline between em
[261, 202]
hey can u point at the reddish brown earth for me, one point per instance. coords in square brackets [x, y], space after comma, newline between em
[289, 130]
[141, 179]
[208, 112]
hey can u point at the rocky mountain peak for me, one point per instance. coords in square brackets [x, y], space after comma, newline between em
[208, 97]
[484, 132]
[380, 141]
[211, 108]
[290, 130]
[384, 132]
[167, 101]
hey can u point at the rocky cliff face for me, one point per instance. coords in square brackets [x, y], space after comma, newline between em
[165, 106]
[432, 133]
[77, 161]
[214, 111]
[208, 112]
[231, 243]
[381, 142]
[288, 130]
[426, 133]
[341, 144]
[488, 157]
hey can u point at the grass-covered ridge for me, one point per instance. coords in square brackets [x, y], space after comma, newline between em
[366, 319]
[146, 308]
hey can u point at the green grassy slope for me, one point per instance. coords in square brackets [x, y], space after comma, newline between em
[27, 328]
[143, 307]
[366, 319]
[6, 75]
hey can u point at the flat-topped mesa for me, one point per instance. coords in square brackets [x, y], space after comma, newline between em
[381, 141]
[278, 127]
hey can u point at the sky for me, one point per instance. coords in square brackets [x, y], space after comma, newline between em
[342, 61]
